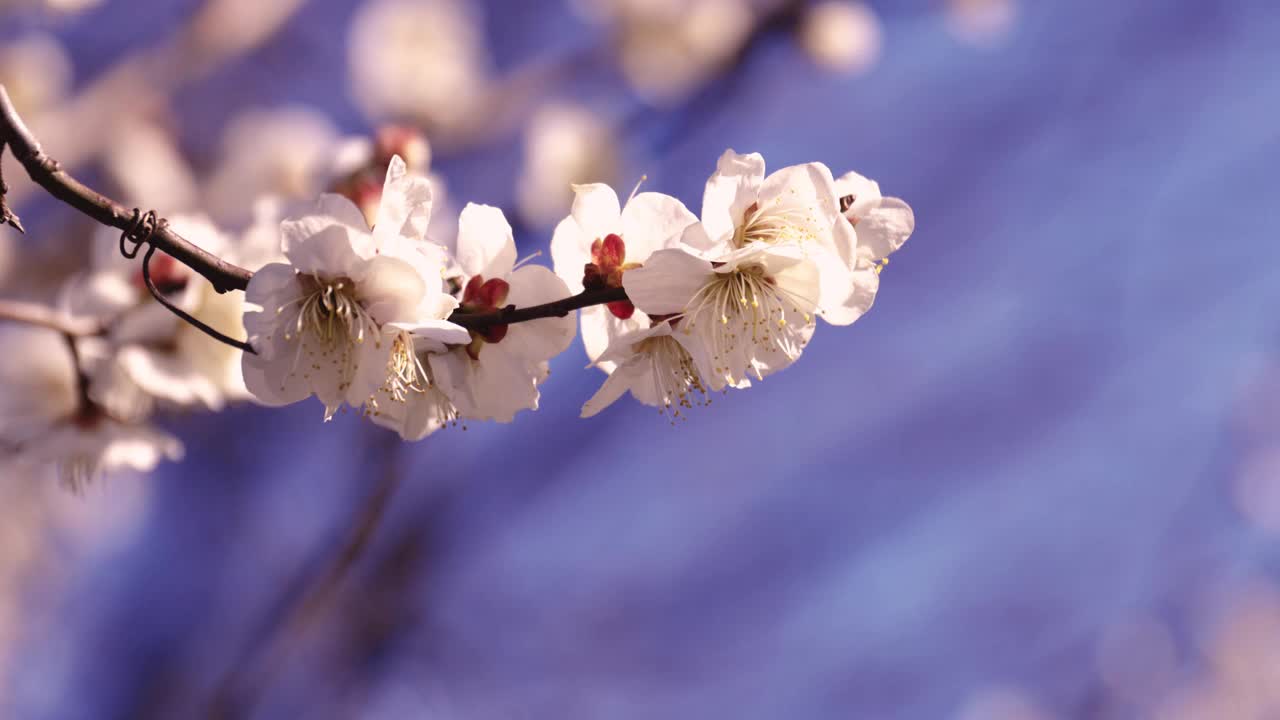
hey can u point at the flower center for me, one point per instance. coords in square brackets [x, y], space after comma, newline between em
[328, 323]
[747, 306]
[779, 224]
[608, 262]
[405, 372]
[675, 375]
[329, 312]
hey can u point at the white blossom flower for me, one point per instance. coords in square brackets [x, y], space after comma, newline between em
[600, 240]
[670, 48]
[881, 224]
[659, 366]
[351, 302]
[795, 206]
[47, 420]
[751, 309]
[496, 373]
[143, 159]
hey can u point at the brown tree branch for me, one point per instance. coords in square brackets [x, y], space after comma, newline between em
[46, 172]
[511, 314]
[224, 276]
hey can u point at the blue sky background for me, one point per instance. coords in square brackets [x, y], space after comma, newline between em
[1033, 436]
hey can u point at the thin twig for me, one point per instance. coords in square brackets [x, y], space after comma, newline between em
[511, 314]
[46, 172]
[7, 216]
[307, 596]
[197, 324]
[46, 317]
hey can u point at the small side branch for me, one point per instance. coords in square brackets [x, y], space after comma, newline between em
[7, 216]
[46, 172]
[512, 314]
[46, 317]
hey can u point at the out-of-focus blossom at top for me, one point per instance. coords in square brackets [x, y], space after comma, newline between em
[564, 145]
[45, 420]
[36, 72]
[669, 48]
[226, 28]
[279, 151]
[61, 7]
[149, 169]
[842, 36]
[358, 166]
[422, 62]
[981, 22]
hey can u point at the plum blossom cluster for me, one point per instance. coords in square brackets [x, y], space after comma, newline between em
[372, 302]
[374, 318]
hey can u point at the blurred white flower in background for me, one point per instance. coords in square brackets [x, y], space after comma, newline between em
[670, 48]
[45, 421]
[981, 22]
[357, 166]
[276, 151]
[59, 7]
[564, 145]
[36, 71]
[149, 169]
[842, 36]
[150, 354]
[419, 61]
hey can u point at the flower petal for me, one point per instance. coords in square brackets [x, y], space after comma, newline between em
[806, 196]
[390, 289]
[653, 221]
[434, 335]
[596, 209]
[885, 229]
[625, 378]
[570, 253]
[486, 245]
[405, 208]
[323, 247]
[730, 191]
[542, 339]
[667, 282]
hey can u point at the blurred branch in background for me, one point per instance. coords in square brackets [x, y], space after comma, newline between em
[312, 592]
